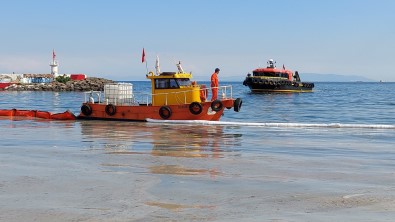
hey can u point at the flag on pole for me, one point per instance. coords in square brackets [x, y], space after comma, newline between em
[283, 66]
[53, 54]
[143, 56]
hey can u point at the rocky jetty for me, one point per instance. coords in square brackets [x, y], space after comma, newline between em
[88, 84]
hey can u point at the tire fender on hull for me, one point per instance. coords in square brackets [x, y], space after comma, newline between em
[195, 108]
[164, 112]
[216, 105]
[86, 110]
[110, 109]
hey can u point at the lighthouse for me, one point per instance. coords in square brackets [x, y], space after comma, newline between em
[54, 65]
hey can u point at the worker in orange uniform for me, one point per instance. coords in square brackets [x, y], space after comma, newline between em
[214, 84]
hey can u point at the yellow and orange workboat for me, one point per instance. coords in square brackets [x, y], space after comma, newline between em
[174, 97]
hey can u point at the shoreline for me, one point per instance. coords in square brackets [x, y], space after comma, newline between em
[88, 84]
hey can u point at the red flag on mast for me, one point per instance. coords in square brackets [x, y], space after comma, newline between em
[143, 56]
[53, 54]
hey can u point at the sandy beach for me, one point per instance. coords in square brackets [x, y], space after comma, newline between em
[101, 177]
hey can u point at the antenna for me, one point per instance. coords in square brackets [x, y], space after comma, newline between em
[179, 67]
[157, 67]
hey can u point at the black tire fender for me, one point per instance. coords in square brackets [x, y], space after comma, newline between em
[110, 109]
[216, 105]
[165, 112]
[237, 104]
[86, 110]
[195, 108]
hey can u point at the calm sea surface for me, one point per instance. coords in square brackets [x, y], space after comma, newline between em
[322, 156]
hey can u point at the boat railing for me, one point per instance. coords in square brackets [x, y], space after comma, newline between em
[224, 92]
[143, 98]
[93, 96]
[135, 99]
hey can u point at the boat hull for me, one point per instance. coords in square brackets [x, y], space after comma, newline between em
[286, 86]
[4, 85]
[142, 112]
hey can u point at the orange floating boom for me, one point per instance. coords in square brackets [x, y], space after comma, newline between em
[67, 115]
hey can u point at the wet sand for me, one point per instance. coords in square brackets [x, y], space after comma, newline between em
[86, 179]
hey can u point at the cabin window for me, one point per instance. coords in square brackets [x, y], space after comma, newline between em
[173, 84]
[284, 75]
[184, 82]
[268, 74]
[271, 74]
[166, 84]
[160, 83]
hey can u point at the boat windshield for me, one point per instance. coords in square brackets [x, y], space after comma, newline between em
[166, 84]
[184, 82]
[271, 74]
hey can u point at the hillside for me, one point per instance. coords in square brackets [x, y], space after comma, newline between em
[313, 77]
[308, 77]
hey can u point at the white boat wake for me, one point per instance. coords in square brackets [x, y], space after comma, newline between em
[282, 125]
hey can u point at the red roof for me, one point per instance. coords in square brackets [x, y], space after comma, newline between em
[77, 76]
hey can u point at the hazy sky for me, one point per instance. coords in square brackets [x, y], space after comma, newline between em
[106, 38]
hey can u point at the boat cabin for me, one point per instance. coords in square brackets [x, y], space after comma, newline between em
[172, 88]
[272, 72]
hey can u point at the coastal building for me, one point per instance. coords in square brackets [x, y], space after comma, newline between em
[7, 79]
[37, 78]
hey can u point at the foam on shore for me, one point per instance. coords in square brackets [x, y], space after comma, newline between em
[282, 125]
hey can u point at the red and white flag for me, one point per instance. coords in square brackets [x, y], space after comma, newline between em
[53, 54]
[143, 56]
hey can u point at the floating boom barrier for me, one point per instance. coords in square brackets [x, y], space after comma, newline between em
[67, 115]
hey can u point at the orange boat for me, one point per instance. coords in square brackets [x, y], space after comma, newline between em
[67, 115]
[271, 79]
[173, 97]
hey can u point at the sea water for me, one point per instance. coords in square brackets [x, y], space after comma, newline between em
[321, 156]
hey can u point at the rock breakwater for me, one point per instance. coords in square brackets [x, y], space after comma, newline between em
[88, 84]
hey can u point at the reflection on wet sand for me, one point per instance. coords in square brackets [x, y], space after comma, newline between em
[165, 152]
[179, 170]
[158, 140]
[175, 207]
[161, 140]
[188, 141]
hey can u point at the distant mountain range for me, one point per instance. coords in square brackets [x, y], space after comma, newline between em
[314, 77]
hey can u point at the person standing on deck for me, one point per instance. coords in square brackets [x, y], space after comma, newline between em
[214, 84]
